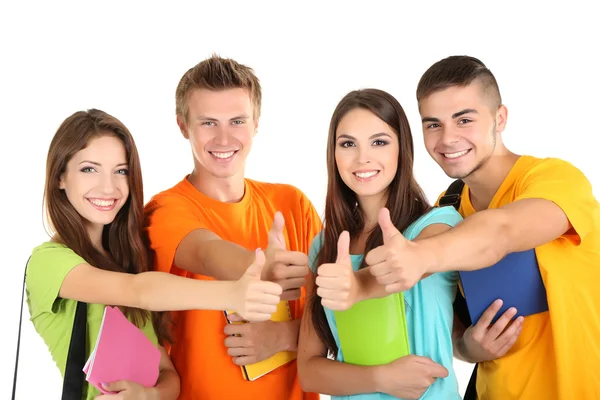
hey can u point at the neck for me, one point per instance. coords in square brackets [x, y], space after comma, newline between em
[370, 207]
[484, 183]
[227, 190]
[95, 234]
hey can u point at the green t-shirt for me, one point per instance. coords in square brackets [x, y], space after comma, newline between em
[52, 316]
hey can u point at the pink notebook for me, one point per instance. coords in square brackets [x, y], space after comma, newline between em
[122, 352]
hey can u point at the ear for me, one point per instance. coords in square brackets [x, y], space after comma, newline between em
[182, 126]
[61, 182]
[255, 127]
[501, 117]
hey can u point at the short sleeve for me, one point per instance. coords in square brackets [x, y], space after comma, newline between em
[438, 215]
[313, 253]
[168, 219]
[312, 218]
[567, 187]
[46, 270]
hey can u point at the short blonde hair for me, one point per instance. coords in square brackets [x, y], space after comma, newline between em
[217, 73]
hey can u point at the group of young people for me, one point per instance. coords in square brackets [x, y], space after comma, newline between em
[218, 241]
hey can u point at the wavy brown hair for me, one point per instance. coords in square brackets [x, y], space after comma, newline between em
[405, 198]
[126, 248]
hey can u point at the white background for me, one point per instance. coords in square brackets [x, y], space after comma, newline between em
[127, 57]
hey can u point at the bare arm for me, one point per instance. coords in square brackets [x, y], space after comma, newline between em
[168, 385]
[205, 253]
[253, 299]
[369, 287]
[487, 236]
[321, 375]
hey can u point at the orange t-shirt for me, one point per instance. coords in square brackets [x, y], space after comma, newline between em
[557, 354]
[207, 372]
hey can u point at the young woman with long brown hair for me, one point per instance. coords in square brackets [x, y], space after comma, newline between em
[98, 255]
[372, 195]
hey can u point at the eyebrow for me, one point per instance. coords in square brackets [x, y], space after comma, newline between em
[376, 135]
[99, 165]
[455, 115]
[205, 118]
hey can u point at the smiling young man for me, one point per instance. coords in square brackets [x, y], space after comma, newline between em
[511, 203]
[208, 226]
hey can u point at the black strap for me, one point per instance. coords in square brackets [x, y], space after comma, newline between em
[452, 198]
[74, 375]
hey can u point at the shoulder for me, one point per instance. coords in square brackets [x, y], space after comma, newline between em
[175, 196]
[437, 215]
[51, 252]
[549, 166]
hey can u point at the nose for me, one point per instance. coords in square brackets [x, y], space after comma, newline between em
[449, 135]
[363, 155]
[222, 135]
[108, 183]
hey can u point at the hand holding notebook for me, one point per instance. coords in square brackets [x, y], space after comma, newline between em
[122, 352]
[254, 371]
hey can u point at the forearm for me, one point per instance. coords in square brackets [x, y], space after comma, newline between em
[167, 387]
[159, 291]
[288, 335]
[224, 260]
[334, 378]
[479, 241]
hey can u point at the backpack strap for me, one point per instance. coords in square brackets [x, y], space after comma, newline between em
[452, 195]
[74, 376]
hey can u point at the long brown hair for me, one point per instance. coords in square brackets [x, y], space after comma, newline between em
[125, 246]
[405, 198]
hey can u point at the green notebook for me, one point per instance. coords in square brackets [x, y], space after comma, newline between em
[373, 332]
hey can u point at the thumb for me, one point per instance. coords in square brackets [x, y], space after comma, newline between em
[276, 237]
[255, 269]
[387, 227]
[116, 386]
[343, 249]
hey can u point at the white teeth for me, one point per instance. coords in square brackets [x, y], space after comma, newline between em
[222, 155]
[365, 175]
[102, 203]
[456, 155]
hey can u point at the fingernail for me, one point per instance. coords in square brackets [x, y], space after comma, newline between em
[498, 302]
[512, 310]
[257, 250]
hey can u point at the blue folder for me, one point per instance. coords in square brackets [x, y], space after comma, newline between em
[515, 279]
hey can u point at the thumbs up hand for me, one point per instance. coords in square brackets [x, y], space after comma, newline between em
[336, 283]
[395, 264]
[285, 267]
[255, 299]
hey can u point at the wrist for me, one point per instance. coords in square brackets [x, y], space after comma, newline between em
[429, 251]
[378, 377]
[152, 393]
[287, 333]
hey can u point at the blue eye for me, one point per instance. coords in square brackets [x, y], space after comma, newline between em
[87, 170]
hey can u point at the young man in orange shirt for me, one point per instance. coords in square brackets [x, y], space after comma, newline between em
[511, 203]
[208, 226]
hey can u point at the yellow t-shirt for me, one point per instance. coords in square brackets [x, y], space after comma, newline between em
[557, 354]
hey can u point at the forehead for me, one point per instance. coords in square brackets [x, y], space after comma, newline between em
[446, 102]
[214, 103]
[105, 149]
[359, 122]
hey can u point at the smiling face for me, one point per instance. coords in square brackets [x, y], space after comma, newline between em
[366, 153]
[461, 128]
[220, 127]
[95, 180]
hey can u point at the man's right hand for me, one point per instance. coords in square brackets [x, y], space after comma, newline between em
[486, 342]
[287, 268]
[408, 377]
